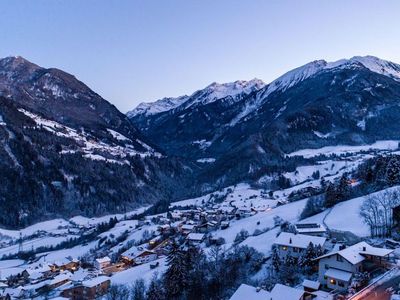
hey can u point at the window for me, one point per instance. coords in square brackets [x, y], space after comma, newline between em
[295, 249]
[340, 283]
[326, 266]
[339, 258]
[284, 248]
[332, 281]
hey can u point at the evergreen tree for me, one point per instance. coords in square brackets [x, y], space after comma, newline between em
[175, 277]
[155, 290]
[139, 290]
[308, 257]
[392, 176]
[275, 260]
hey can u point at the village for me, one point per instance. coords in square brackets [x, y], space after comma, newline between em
[130, 246]
[96, 254]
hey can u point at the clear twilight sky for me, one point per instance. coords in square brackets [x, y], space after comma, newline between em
[133, 51]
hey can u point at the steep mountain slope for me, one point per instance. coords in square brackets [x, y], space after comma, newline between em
[64, 150]
[352, 101]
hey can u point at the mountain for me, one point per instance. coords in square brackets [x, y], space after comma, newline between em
[350, 101]
[64, 150]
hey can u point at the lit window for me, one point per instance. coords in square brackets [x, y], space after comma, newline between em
[284, 248]
[332, 281]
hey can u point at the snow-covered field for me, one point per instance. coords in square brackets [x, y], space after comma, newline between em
[345, 149]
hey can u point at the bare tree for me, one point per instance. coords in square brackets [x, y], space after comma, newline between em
[376, 212]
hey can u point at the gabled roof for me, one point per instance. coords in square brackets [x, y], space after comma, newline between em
[247, 292]
[280, 292]
[298, 240]
[355, 254]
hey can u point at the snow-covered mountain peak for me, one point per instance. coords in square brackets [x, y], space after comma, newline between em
[372, 63]
[295, 76]
[162, 105]
[308, 70]
[211, 93]
[217, 91]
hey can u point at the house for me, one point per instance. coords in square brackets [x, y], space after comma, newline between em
[247, 292]
[145, 257]
[66, 264]
[279, 292]
[187, 228]
[207, 227]
[336, 269]
[296, 244]
[101, 263]
[57, 281]
[88, 290]
[154, 242]
[38, 273]
[195, 238]
[310, 229]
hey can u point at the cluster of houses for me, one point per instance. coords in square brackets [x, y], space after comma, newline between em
[65, 277]
[62, 277]
[336, 266]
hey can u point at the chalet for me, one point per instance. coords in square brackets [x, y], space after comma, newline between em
[101, 263]
[88, 289]
[310, 229]
[195, 238]
[336, 269]
[38, 273]
[57, 281]
[296, 244]
[145, 257]
[66, 264]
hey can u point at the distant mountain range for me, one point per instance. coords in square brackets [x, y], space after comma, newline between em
[246, 128]
[64, 150]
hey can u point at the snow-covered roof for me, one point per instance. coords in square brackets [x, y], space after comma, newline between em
[281, 291]
[61, 277]
[310, 227]
[298, 240]
[311, 284]
[247, 292]
[95, 281]
[103, 259]
[188, 226]
[338, 274]
[195, 236]
[355, 254]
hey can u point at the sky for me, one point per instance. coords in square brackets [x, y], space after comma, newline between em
[133, 51]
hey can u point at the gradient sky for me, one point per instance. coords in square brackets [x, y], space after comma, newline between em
[133, 51]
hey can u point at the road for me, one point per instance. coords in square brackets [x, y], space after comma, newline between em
[379, 292]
